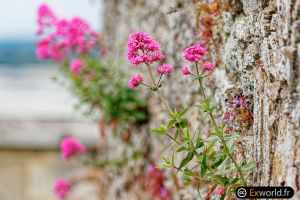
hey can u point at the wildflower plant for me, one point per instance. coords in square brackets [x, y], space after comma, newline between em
[213, 155]
[94, 79]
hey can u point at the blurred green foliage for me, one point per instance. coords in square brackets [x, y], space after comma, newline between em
[103, 88]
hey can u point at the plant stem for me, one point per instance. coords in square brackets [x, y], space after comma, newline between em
[157, 90]
[200, 83]
[146, 85]
[218, 130]
[159, 79]
[173, 138]
[234, 162]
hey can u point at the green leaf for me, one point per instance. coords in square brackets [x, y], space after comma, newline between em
[199, 143]
[231, 136]
[223, 180]
[203, 164]
[181, 148]
[186, 178]
[167, 163]
[219, 132]
[226, 171]
[199, 155]
[158, 131]
[182, 113]
[225, 150]
[176, 134]
[187, 135]
[174, 114]
[188, 172]
[171, 123]
[207, 107]
[212, 155]
[210, 146]
[172, 158]
[186, 160]
[166, 160]
[162, 130]
[213, 138]
[219, 161]
[234, 181]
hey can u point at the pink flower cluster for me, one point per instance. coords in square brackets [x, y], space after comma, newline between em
[194, 53]
[185, 71]
[69, 147]
[164, 69]
[64, 38]
[156, 186]
[142, 48]
[208, 66]
[61, 188]
[45, 18]
[135, 81]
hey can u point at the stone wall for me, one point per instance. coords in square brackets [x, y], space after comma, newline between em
[29, 175]
[256, 48]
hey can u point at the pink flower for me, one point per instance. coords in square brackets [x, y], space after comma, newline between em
[185, 71]
[42, 49]
[227, 115]
[142, 48]
[220, 191]
[135, 81]
[76, 66]
[208, 66]
[69, 147]
[194, 53]
[61, 188]
[45, 17]
[164, 69]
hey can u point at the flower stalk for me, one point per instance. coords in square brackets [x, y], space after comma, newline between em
[217, 129]
[156, 89]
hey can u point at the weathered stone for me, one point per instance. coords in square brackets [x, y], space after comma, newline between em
[256, 47]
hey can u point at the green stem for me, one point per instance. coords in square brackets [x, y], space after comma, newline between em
[157, 90]
[234, 162]
[218, 130]
[198, 155]
[173, 138]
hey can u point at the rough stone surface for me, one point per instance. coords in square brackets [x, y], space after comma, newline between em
[256, 48]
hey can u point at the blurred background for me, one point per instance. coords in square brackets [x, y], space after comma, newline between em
[36, 113]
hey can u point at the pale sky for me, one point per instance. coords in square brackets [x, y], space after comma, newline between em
[18, 17]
